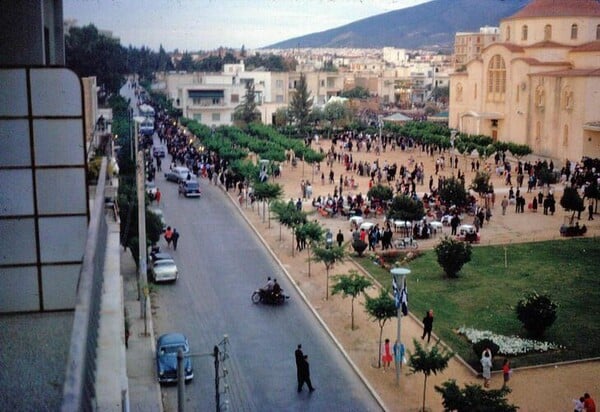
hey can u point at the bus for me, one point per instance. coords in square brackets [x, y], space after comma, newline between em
[147, 126]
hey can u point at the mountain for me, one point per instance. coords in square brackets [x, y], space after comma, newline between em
[429, 25]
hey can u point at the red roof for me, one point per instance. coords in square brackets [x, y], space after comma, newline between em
[558, 8]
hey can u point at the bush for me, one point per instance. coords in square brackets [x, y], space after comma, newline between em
[479, 347]
[452, 254]
[536, 312]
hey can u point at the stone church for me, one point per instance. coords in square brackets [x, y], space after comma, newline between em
[539, 85]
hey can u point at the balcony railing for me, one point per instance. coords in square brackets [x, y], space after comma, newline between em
[79, 393]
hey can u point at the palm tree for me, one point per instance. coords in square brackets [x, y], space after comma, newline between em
[427, 362]
[352, 285]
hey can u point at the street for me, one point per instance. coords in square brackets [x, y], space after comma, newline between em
[220, 263]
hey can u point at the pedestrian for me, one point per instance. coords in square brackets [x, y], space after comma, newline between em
[299, 359]
[340, 238]
[304, 375]
[504, 205]
[399, 351]
[588, 403]
[590, 211]
[506, 372]
[386, 356]
[175, 238]
[486, 365]
[157, 196]
[168, 236]
[578, 404]
[427, 325]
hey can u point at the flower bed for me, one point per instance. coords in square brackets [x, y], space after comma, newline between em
[508, 345]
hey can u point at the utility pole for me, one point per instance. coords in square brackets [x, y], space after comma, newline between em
[140, 174]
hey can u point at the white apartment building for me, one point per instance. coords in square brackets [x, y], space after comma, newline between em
[468, 46]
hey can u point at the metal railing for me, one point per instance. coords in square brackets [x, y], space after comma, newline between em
[79, 393]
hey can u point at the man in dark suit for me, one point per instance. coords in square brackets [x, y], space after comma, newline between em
[304, 375]
[299, 359]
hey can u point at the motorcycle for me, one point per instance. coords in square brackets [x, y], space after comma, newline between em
[269, 298]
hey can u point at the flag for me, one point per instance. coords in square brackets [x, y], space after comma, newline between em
[396, 292]
[404, 299]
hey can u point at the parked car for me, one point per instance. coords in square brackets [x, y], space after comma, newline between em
[160, 215]
[151, 189]
[179, 174]
[167, 347]
[189, 188]
[155, 257]
[159, 151]
[164, 270]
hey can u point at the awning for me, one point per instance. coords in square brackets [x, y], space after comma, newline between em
[592, 126]
[483, 115]
[205, 94]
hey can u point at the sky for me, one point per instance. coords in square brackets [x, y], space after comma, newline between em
[193, 25]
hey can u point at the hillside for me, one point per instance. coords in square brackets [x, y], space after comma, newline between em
[429, 25]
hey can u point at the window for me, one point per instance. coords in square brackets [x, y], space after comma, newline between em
[475, 92]
[279, 98]
[565, 136]
[235, 98]
[459, 92]
[540, 96]
[279, 84]
[548, 32]
[197, 116]
[524, 31]
[567, 98]
[574, 32]
[496, 78]
[216, 117]
[507, 33]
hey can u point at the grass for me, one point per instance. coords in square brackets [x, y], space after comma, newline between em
[486, 292]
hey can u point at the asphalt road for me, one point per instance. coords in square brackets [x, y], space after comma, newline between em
[221, 262]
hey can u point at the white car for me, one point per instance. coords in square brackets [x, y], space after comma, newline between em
[164, 270]
[179, 174]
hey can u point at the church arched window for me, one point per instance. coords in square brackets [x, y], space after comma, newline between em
[548, 32]
[524, 33]
[496, 78]
[574, 30]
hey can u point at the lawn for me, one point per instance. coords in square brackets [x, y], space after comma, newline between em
[486, 292]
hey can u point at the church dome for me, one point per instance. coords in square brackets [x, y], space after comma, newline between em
[558, 8]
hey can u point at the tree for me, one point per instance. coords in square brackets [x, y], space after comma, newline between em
[571, 200]
[481, 183]
[381, 309]
[337, 113]
[313, 232]
[405, 208]
[351, 285]
[267, 192]
[186, 63]
[453, 192]
[452, 254]
[536, 312]
[357, 93]
[329, 256]
[380, 193]
[282, 117]
[301, 103]
[247, 112]
[427, 362]
[474, 398]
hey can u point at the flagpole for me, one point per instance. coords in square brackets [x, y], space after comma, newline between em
[398, 298]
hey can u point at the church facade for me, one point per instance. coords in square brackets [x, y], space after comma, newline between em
[539, 85]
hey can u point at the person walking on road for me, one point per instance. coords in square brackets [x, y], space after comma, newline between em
[157, 196]
[169, 236]
[299, 359]
[304, 374]
[175, 238]
[427, 325]
[340, 238]
[486, 365]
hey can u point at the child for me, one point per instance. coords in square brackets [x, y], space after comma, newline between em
[579, 404]
[506, 372]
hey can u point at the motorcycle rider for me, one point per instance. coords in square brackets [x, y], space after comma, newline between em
[276, 290]
[267, 290]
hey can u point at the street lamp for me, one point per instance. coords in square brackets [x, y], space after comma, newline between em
[398, 288]
[141, 199]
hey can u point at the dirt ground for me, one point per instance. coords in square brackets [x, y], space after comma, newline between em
[536, 389]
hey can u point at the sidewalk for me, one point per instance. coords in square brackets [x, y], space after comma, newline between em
[144, 390]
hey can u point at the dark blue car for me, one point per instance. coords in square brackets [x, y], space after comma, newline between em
[166, 357]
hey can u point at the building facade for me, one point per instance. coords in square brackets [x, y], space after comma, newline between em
[539, 85]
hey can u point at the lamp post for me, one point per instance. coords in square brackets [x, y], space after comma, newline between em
[141, 199]
[399, 272]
